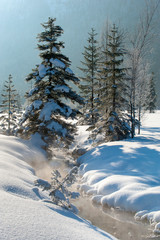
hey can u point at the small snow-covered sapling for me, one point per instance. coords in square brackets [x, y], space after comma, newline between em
[58, 188]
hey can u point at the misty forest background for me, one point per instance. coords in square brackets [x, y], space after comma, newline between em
[116, 83]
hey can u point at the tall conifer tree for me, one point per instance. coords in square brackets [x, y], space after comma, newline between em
[114, 85]
[51, 94]
[88, 82]
[8, 106]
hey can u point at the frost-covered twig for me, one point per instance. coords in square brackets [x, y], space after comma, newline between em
[58, 188]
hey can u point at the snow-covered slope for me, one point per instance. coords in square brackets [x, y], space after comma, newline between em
[24, 215]
[126, 174]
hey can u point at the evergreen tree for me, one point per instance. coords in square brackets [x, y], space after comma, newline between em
[51, 94]
[88, 82]
[151, 95]
[8, 114]
[113, 90]
[102, 74]
[58, 188]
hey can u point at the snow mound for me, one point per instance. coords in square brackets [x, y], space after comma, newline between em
[25, 214]
[125, 174]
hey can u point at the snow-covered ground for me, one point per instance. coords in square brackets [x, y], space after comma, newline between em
[24, 214]
[126, 174]
[123, 175]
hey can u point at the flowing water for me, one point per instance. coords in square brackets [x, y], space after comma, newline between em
[118, 223]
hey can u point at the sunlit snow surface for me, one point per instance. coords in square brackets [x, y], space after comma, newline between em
[126, 174]
[24, 215]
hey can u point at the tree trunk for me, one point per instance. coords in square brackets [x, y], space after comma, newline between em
[139, 119]
[132, 121]
[9, 107]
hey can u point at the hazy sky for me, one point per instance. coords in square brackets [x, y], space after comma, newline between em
[21, 22]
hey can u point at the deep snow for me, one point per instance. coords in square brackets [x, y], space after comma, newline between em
[24, 214]
[126, 174]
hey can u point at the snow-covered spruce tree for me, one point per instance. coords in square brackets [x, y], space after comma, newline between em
[8, 119]
[59, 188]
[151, 96]
[88, 83]
[51, 94]
[113, 90]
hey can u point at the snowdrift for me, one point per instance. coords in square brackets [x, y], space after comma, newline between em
[24, 212]
[126, 174]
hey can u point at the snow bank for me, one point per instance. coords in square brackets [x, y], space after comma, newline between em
[125, 174]
[25, 214]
